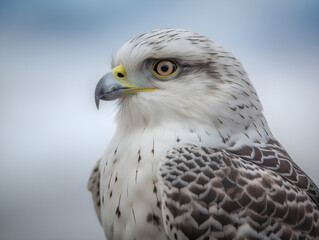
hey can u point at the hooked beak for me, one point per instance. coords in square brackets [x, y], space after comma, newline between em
[108, 88]
[114, 85]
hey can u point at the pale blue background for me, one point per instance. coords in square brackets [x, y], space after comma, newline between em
[52, 54]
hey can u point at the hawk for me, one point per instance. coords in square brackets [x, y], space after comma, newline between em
[192, 156]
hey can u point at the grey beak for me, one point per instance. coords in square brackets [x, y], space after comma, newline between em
[108, 88]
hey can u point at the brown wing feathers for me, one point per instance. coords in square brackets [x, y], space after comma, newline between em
[210, 193]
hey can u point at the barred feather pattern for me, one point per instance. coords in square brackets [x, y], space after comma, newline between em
[210, 193]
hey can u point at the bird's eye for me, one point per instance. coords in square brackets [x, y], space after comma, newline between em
[164, 68]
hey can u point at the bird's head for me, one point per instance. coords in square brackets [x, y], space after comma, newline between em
[178, 75]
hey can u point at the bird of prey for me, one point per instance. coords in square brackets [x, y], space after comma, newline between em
[192, 156]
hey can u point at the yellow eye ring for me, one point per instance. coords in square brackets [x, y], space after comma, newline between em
[165, 68]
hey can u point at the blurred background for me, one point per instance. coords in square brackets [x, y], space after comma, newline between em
[52, 53]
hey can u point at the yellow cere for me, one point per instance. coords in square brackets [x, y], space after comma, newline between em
[120, 75]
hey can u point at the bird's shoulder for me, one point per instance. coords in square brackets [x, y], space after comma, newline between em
[275, 158]
[218, 190]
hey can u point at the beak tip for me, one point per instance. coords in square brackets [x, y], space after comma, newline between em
[97, 102]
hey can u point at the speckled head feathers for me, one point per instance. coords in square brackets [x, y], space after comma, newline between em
[211, 85]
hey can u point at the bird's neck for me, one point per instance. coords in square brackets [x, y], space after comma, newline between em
[226, 135]
[217, 123]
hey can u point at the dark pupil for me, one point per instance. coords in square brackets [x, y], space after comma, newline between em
[120, 75]
[164, 68]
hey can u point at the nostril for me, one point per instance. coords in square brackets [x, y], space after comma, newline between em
[120, 75]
